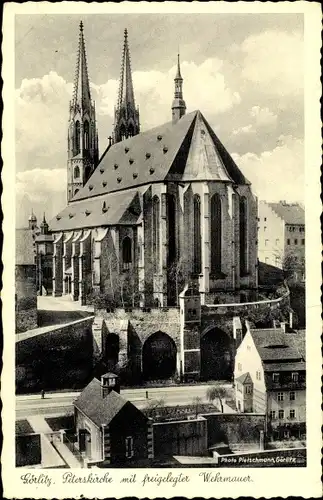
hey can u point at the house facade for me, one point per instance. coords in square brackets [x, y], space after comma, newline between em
[270, 378]
[281, 231]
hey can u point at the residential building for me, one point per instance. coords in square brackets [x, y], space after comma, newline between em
[270, 378]
[109, 428]
[281, 231]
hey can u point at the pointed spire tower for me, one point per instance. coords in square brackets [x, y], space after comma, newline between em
[126, 121]
[178, 105]
[83, 148]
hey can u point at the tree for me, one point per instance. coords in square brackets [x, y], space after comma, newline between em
[216, 392]
[293, 266]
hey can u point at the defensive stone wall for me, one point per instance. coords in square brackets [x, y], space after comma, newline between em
[62, 357]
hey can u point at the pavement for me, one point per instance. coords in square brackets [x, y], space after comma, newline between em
[62, 402]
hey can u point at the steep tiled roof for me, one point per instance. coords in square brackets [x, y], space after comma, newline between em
[111, 209]
[185, 151]
[285, 367]
[25, 247]
[290, 213]
[245, 378]
[100, 410]
[161, 154]
[275, 345]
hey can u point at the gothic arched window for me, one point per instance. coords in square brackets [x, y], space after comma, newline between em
[197, 261]
[155, 217]
[216, 234]
[171, 219]
[77, 136]
[126, 252]
[243, 234]
[76, 172]
[86, 136]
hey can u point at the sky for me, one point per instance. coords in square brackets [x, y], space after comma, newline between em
[243, 71]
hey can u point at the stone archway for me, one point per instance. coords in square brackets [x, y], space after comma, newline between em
[159, 357]
[216, 355]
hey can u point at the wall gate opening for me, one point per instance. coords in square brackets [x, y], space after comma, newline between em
[159, 357]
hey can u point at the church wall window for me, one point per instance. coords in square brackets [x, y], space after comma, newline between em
[86, 136]
[126, 252]
[216, 234]
[171, 216]
[77, 136]
[76, 172]
[243, 235]
[197, 260]
[156, 237]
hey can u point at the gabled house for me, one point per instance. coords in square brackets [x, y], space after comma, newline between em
[270, 378]
[109, 428]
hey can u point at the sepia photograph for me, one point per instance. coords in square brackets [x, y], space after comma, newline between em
[160, 236]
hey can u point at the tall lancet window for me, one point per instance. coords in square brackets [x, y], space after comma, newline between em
[77, 138]
[171, 219]
[86, 136]
[197, 260]
[156, 245]
[126, 252]
[216, 234]
[243, 235]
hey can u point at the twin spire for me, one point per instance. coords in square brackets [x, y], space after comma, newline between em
[126, 123]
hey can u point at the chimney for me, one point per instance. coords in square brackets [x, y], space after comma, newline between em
[283, 327]
[109, 382]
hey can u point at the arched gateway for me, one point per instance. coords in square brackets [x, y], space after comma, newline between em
[216, 355]
[159, 357]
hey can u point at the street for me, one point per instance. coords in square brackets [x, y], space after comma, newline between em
[61, 403]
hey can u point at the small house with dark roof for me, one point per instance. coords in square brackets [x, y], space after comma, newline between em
[25, 280]
[110, 429]
[270, 378]
[281, 231]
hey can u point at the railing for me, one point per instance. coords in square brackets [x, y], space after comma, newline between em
[247, 305]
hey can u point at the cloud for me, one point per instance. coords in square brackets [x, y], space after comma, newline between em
[273, 60]
[277, 174]
[40, 183]
[263, 116]
[247, 129]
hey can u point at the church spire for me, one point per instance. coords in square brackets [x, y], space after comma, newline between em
[126, 114]
[82, 94]
[83, 148]
[178, 105]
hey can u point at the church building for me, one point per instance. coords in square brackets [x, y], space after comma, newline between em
[161, 209]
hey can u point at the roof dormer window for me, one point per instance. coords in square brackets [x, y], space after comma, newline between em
[102, 170]
[104, 183]
[116, 166]
[87, 212]
[148, 155]
[90, 187]
[165, 149]
[159, 137]
[131, 160]
[151, 170]
[126, 150]
[135, 175]
[119, 179]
